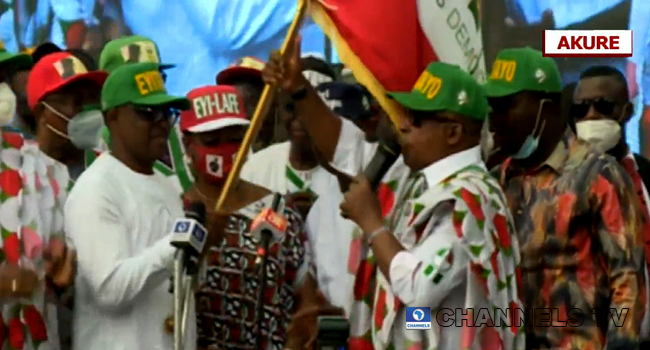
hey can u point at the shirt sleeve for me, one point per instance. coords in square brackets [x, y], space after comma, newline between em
[351, 154]
[620, 226]
[440, 256]
[115, 279]
[311, 226]
[640, 25]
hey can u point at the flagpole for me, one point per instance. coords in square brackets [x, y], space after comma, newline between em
[261, 110]
[256, 122]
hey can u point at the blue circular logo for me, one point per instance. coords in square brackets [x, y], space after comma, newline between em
[418, 314]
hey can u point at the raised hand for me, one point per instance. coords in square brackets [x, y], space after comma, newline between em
[285, 71]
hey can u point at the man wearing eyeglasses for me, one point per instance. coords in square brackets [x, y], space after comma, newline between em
[601, 109]
[119, 215]
[139, 49]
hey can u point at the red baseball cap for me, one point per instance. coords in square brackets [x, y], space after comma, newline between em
[244, 67]
[213, 107]
[55, 71]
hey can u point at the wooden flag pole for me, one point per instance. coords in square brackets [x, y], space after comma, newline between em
[261, 110]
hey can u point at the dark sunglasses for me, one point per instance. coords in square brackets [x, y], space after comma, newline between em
[501, 105]
[157, 115]
[417, 117]
[580, 110]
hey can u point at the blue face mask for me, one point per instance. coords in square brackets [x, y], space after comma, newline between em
[532, 142]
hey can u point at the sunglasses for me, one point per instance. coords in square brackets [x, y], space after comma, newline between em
[580, 110]
[157, 115]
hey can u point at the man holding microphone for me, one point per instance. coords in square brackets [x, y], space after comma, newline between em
[119, 215]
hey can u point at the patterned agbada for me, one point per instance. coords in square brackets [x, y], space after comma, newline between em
[228, 287]
[580, 230]
[483, 225]
[33, 190]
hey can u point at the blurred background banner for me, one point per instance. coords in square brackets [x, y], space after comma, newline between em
[204, 36]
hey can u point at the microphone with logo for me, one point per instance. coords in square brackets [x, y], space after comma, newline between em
[268, 228]
[189, 236]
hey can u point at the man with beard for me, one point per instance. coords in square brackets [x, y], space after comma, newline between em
[292, 167]
[576, 213]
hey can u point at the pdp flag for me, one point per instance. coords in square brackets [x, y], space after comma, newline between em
[388, 43]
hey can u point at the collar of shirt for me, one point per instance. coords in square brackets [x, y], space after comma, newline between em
[630, 155]
[449, 165]
[558, 160]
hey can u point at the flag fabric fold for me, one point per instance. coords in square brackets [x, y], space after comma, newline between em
[388, 43]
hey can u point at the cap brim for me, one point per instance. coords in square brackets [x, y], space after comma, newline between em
[218, 124]
[495, 89]
[99, 77]
[412, 101]
[166, 66]
[163, 100]
[15, 61]
[230, 75]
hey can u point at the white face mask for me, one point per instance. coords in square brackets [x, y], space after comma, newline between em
[603, 134]
[7, 104]
[84, 130]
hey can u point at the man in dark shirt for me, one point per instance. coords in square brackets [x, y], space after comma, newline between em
[576, 213]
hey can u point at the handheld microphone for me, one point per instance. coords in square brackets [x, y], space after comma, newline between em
[269, 226]
[387, 153]
[189, 234]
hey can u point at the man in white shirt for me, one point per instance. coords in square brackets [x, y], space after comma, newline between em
[449, 243]
[330, 234]
[292, 167]
[119, 215]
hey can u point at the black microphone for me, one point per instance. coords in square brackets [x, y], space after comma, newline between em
[385, 156]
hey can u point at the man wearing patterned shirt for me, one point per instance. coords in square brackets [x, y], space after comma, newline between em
[448, 245]
[576, 213]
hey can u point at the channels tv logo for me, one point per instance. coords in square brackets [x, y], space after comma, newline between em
[418, 318]
[587, 43]
[182, 227]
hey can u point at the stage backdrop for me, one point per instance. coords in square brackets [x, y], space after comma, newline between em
[204, 36]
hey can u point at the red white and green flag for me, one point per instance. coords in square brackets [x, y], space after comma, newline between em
[388, 43]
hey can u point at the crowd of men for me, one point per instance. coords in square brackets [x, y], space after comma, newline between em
[517, 195]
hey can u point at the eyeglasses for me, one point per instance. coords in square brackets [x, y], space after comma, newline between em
[602, 106]
[157, 115]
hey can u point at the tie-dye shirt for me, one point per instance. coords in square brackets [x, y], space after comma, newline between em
[580, 231]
